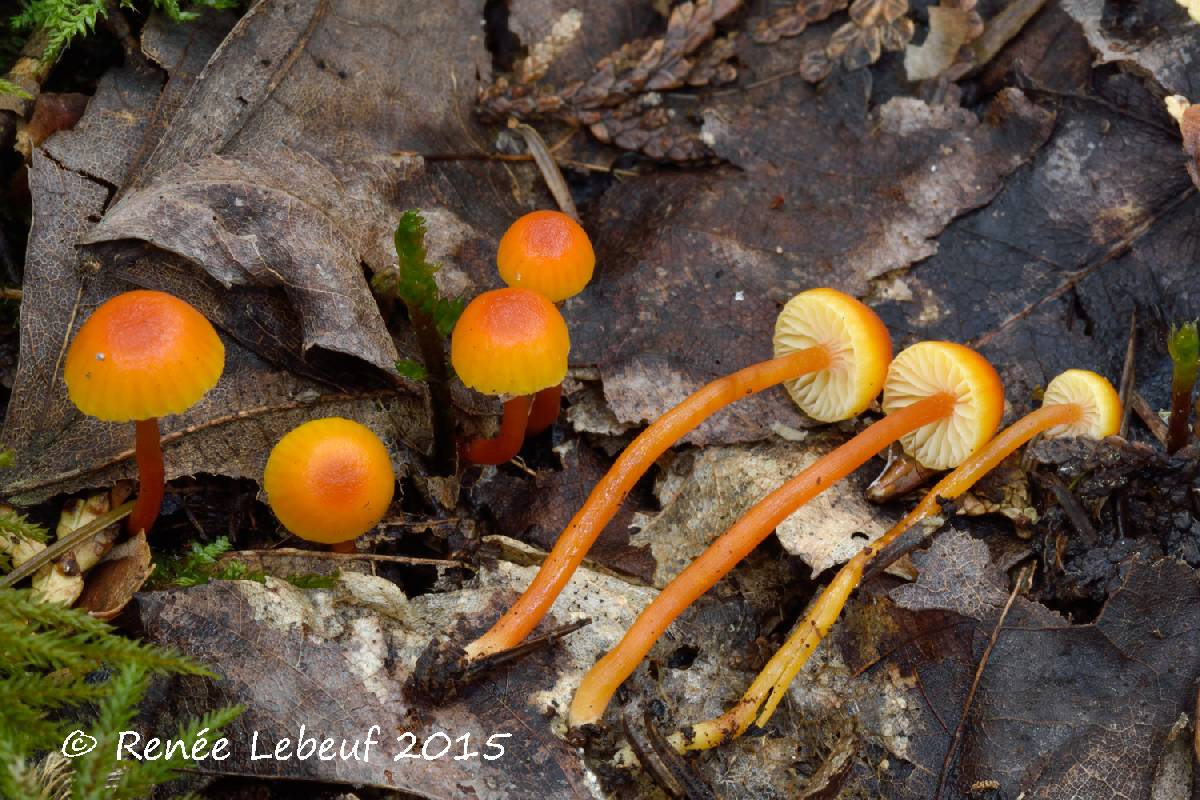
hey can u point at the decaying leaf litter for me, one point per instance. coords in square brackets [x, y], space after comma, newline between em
[256, 167]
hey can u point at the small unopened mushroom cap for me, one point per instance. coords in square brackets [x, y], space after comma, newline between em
[142, 354]
[548, 252]
[1094, 394]
[859, 348]
[329, 480]
[929, 368]
[510, 341]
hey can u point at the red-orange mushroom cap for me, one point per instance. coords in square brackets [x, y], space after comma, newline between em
[547, 252]
[142, 354]
[510, 342]
[329, 480]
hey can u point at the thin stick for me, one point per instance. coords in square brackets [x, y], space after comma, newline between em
[1001, 30]
[237, 416]
[1141, 407]
[962, 722]
[546, 164]
[1126, 388]
[68, 542]
[512, 654]
[658, 757]
[1071, 507]
[433, 356]
[329, 555]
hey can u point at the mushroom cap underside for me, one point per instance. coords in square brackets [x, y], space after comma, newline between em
[858, 345]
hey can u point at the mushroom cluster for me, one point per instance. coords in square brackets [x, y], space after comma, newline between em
[942, 401]
[830, 349]
[144, 354]
[507, 344]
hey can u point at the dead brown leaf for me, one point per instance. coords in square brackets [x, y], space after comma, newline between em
[240, 192]
[115, 580]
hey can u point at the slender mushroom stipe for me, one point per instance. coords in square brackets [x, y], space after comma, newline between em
[1076, 403]
[944, 400]
[544, 410]
[831, 349]
[142, 355]
[514, 343]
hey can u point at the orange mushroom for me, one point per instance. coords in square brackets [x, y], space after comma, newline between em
[1076, 403]
[139, 356]
[942, 401]
[549, 253]
[514, 343]
[329, 481]
[830, 350]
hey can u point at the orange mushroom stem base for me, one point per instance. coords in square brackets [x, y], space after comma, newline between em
[151, 476]
[546, 404]
[614, 487]
[760, 700]
[736, 543]
[505, 444]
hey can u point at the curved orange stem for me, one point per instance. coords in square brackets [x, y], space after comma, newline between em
[545, 410]
[505, 444]
[151, 476]
[602, 504]
[609, 672]
[771, 684]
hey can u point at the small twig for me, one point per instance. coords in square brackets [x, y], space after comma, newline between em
[584, 166]
[433, 356]
[529, 645]
[1075, 277]
[1148, 416]
[244, 414]
[1001, 30]
[1074, 511]
[546, 164]
[292, 552]
[910, 540]
[1024, 575]
[661, 762]
[10, 294]
[1128, 376]
[68, 542]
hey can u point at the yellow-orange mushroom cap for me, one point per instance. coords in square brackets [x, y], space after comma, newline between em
[929, 368]
[859, 348]
[142, 354]
[329, 480]
[547, 252]
[1094, 394]
[510, 342]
